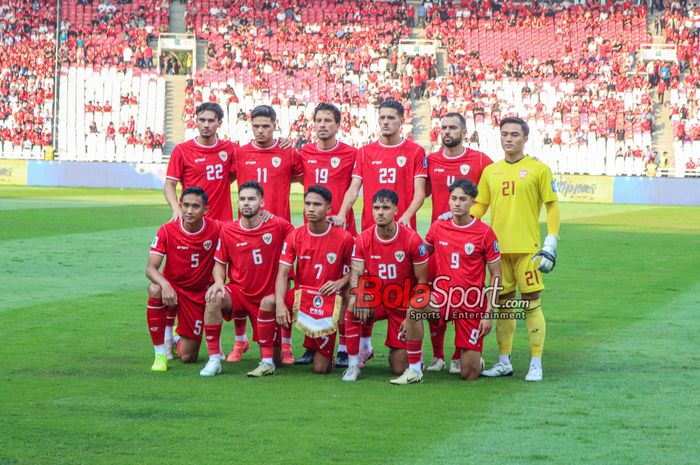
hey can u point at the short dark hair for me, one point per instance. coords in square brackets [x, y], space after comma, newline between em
[516, 120]
[194, 190]
[395, 104]
[320, 190]
[328, 107]
[264, 111]
[211, 106]
[461, 119]
[466, 185]
[386, 195]
[252, 185]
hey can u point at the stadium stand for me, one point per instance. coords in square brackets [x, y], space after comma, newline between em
[293, 58]
[27, 61]
[115, 100]
[571, 71]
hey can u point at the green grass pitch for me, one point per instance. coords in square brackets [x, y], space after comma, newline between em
[620, 362]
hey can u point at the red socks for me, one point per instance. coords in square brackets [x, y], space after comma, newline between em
[155, 316]
[266, 333]
[213, 336]
[437, 337]
[414, 349]
[353, 329]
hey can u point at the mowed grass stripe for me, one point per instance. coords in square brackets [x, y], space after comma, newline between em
[46, 269]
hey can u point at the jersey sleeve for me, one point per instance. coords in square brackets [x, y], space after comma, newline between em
[491, 249]
[484, 195]
[285, 226]
[297, 165]
[357, 167]
[358, 252]
[548, 190]
[159, 246]
[348, 246]
[420, 167]
[221, 255]
[418, 250]
[288, 254]
[175, 165]
[430, 237]
[234, 160]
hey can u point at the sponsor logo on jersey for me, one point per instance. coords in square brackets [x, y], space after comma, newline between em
[241, 244]
[276, 162]
[335, 162]
[199, 160]
[469, 248]
[250, 162]
[400, 255]
[442, 243]
[267, 238]
[182, 247]
[375, 162]
[318, 301]
[207, 245]
[438, 170]
[331, 258]
[464, 169]
[401, 161]
[523, 173]
[223, 155]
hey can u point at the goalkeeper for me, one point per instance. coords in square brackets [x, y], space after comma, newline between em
[515, 189]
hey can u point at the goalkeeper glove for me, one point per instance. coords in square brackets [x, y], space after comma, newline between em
[548, 254]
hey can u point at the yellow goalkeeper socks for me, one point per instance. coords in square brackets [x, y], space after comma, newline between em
[536, 328]
[505, 330]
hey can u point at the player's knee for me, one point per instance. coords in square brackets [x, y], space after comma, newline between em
[188, 357]
[154, 290]
[267, 304]
[469, 374]
[531, 296]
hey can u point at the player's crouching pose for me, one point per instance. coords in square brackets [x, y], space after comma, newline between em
[464, 248]
[392, 256]
[250, 248]
[322, 255]
[189, 245]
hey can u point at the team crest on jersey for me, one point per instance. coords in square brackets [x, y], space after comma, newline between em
[223, 155]
[464, 169]
[276, 162]
[331, 258]
[401, 161]
[335, 162]
[318, 301]
[523, 173]
[207, 245]
[469, 248]
[267, 238]
[400, 255]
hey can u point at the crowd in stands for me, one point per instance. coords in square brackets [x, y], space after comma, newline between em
[27, 62]
[571, 70]
[293, 56]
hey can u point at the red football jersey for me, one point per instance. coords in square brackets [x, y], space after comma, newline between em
[210, 168]
[274, 169]
[320, 257]
[252, 255]
[331, 169]
[392, 167]
[189, 257]
[462, 252]
[392, 260]
[442, 172]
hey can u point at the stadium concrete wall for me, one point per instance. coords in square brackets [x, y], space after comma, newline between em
[571, 188]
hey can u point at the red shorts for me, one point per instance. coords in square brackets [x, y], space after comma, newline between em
[324, 345]
[241, 307]
[395, 319]
[466, 322]
[190, 314]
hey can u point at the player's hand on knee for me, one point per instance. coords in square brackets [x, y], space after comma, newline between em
[402, 331]
[337, 221]
[214, 292]
[361, 313]
[548, 255]
[282, 316]
[169, 296]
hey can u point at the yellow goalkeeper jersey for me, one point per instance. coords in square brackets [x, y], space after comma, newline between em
[515, 193]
